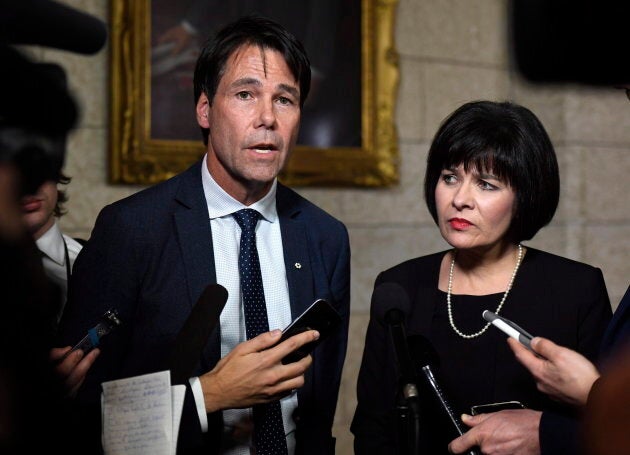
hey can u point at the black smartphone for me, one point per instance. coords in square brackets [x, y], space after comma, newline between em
[107, 322]
[320, 316]
[494, 407]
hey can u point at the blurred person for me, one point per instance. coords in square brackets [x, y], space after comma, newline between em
[31, 153]
[491, 182]
[40, 212]
[604, 428]
[151, 255]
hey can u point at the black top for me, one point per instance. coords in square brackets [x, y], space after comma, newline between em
[563, 300]
[473, 355]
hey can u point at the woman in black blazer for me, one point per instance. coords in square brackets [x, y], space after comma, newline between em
[491, 182]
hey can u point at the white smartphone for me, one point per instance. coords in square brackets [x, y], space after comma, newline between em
[509, 328]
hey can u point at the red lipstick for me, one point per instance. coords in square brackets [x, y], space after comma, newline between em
[459, 223]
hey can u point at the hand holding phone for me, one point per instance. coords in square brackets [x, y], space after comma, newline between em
[509, 328]
[495, 407]
[320, 316]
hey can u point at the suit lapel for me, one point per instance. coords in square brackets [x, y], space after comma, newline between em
[192, 224]
[297, 259]
[297, 263]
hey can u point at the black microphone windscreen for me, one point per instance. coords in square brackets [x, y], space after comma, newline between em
[194, 335]
[571, 41]
[50, 24]
[389, 296]
[422, 351]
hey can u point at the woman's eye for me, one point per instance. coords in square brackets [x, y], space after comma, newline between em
[487, 186]
[449, 178]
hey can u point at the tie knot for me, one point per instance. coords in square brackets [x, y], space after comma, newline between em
[247, 219]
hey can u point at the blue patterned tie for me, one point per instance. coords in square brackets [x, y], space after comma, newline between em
[269, 437]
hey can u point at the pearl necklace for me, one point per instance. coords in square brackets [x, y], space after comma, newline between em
[507, 291]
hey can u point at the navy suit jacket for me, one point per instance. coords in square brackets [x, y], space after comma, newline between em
[150, 256]
[617, 335]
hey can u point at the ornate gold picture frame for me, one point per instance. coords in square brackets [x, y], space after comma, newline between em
[138, 158]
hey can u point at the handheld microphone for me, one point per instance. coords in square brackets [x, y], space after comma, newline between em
[194, 335]
[425, 356]
[51, 24]
[390, 304]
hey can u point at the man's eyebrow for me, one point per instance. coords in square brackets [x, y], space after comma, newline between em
[290, 89]
[245, 81]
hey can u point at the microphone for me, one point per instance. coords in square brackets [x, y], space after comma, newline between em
[391, 304]
[194, 335]
[425, 356]
[51, 24]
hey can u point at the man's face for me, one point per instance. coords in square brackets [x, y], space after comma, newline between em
[38, 209]
[253, 121]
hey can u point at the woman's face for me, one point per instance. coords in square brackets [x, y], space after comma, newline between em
[474, 209]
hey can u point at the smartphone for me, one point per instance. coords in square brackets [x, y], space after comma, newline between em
[107, 322]
[320, 316]
[494, 407]
[509, 328]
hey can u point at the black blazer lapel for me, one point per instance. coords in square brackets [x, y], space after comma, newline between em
[297, 261]
[299, 270]
[192, 224]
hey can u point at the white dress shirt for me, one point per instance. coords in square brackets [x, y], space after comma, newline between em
[51, 244]
[226, 237]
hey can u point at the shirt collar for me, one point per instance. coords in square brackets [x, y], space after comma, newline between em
[52, 244]
[221, 204]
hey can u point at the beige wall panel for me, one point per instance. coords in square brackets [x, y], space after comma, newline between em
[399, 204]
[471, 31]
[410, 109]
[449, 86]
[607, 183]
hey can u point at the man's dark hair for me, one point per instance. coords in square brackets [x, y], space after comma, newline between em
[509, 141]
[249, 30]
[62, 197]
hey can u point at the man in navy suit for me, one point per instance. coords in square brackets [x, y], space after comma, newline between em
[151, 255]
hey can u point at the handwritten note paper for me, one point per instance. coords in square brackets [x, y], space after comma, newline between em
[177, 398]
[141, 415]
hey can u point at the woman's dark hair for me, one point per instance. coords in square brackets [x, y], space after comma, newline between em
[249, 30]
[509, 141]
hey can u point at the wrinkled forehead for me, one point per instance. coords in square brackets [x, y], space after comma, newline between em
[247, 53]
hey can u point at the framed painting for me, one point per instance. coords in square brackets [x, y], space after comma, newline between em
[347, 132]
